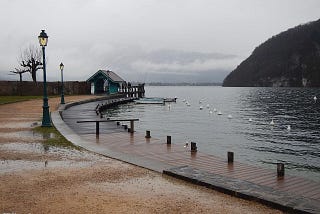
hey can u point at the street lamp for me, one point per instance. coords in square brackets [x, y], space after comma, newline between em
[46, 121]
[62, 91]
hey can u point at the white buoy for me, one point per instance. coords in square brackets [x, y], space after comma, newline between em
[208, 105]
[188, 104]
[184, 100]
[272, 122]
[315, 99]
[288, 127]
[229, 116]
[201, 107]
[210, 112]
[200, 101]
[214, 110]
[250, 120]
[219, 113]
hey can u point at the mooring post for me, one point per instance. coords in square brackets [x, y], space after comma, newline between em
[193, 147]
[230, 157]
[125, 127]
[280, 170]
[118, 123]
[148, 134]
[131, 126]
[168, 139]
[97, 127]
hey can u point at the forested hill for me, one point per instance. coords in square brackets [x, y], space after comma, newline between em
[289, 59]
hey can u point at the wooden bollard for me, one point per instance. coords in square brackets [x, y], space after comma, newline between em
[230, 157]
[193, 147]
[168, 139]
[280, 170]
[125, 127]
[148, 134]
[129, 129]
[118, 123]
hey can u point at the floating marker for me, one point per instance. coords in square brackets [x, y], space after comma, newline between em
[200, 107]
[272, 122]
[288, 127]
[250, 120]
[219, 113]
[229, 116]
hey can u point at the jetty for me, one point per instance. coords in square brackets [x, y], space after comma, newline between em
[271, 187]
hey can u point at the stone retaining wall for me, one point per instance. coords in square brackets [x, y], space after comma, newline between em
[11, 88]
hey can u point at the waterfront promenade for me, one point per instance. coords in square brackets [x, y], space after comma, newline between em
[289, 193]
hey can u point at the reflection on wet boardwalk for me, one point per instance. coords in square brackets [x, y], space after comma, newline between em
[289, 193]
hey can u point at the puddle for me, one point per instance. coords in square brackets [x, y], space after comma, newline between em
[9, 166]
[22, 135]
[16, 125]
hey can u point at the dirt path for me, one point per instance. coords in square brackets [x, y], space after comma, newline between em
[82, 182]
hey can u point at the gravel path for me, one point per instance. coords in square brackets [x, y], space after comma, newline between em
[82, 182]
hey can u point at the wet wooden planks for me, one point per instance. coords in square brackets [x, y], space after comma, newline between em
[117, 139]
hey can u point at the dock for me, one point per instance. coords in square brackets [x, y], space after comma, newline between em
[288, 193]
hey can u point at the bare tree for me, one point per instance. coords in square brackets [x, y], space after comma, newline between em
[20, 72]
[30, 61]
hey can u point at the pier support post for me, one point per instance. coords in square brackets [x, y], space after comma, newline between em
[97, 128]
[148, 134]
[118, 123]
[280, 170]
[168, 139]
[230, 157]
[194, 147]
[131, 126]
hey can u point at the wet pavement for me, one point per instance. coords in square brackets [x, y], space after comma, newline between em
[290, 193]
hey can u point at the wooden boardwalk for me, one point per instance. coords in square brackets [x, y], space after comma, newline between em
[154, 151]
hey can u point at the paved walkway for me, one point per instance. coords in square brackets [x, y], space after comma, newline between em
[290, 193]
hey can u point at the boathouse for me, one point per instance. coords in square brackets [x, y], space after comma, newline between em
[106, 82]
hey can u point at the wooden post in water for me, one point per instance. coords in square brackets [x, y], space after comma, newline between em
[280, 170]
[168, 139]
[193, 147]
[118, 123]
[148, 134]
[131, 126]
[230, 157]
[97, 128]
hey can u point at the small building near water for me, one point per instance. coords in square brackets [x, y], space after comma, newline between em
[106, 82]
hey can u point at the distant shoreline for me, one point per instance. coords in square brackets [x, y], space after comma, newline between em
[182, 84]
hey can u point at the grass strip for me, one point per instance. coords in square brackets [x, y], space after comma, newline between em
[53, 138]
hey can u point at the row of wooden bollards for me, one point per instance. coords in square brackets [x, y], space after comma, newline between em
[280, 166]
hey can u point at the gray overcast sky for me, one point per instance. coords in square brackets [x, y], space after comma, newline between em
[145, 40]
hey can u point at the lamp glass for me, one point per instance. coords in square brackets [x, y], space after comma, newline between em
[61, 66]
[43, 38]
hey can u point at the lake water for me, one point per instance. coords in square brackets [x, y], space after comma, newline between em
[248, 133]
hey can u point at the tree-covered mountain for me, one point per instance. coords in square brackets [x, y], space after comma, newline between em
[289, 59]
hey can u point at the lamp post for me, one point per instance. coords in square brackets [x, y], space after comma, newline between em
[46, 121]
[62, 88]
